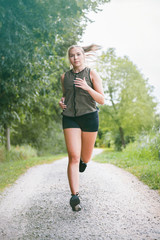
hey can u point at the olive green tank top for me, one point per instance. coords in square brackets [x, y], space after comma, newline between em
[78, 101]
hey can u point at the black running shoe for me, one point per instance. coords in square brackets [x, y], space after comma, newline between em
[82, 166]
[75, 202]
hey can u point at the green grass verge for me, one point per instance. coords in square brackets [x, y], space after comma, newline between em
[147, 171]
[11, 170]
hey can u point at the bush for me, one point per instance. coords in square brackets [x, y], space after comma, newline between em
[2, 153]
[145, 147]
[47, 139]
[17, 153]
[141, 158]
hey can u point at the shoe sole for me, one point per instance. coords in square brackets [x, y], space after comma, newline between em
[77, 208]
[75, 204]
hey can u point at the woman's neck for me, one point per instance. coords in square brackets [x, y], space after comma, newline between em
[78, 69]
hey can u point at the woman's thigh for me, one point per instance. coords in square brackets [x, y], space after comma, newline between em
[73, 142]
[88, 141]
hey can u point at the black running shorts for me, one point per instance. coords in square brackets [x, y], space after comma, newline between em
[87, 123]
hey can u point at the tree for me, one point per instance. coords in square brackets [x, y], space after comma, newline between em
[33, 33]
[130, 105]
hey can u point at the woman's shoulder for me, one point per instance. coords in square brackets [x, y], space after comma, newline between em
[63, 75]
[93, 73]
[66, 75]
[68, 72]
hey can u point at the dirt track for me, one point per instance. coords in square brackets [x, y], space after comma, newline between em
[115, 205]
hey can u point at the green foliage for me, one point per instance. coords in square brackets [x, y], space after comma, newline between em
[17, 153]
[34, 37]
[156, 127]
[104, 139]
[130, 106]
[146, 147]
[141, 158]
[46, 136]
[2, 154]
[27, 27]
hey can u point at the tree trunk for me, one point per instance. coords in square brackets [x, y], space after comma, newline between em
[8, 140]
[7, 134]
[122, 137]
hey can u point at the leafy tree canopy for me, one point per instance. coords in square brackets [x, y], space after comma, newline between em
[34, 37]
[130, 106]
[31, 33]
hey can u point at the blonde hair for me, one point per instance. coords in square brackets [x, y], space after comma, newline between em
[88, 51]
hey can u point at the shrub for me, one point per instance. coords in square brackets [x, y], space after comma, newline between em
[46, 139]
[17, 153]
[145, 147]
[2, 153]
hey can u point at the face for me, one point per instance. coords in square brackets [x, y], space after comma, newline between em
[76, 57]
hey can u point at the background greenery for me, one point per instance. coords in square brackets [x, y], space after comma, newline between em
[34, 37]
[130, 106]
[141, 158]
[17, 161]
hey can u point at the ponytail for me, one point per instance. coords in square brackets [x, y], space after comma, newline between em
[89, 52]
[91, 48]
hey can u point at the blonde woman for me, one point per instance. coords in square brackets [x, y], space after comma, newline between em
[82, 89]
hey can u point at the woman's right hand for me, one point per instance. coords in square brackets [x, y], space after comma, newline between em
[61, 103]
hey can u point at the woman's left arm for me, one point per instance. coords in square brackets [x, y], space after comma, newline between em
[97, 91]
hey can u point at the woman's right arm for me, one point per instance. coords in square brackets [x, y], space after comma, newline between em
[61, 102]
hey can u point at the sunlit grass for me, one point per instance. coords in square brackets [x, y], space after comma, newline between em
[147, 170]
[11, 170]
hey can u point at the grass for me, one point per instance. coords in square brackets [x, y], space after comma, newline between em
[140, 158]
[11, 170]
[147, 170]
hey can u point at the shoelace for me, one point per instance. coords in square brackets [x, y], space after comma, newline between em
[77, 194]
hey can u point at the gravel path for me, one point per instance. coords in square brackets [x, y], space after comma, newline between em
[115, 205]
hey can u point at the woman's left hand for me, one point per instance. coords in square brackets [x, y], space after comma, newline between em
[81, 83]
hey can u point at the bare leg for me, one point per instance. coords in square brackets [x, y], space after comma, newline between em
[88, 141]
[73, 143]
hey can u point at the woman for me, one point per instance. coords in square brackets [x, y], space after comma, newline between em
[82, 88]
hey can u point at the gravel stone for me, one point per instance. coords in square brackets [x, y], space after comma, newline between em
[115, 206]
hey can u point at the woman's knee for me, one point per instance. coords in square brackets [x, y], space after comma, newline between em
[74, 159]
[85, 159]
